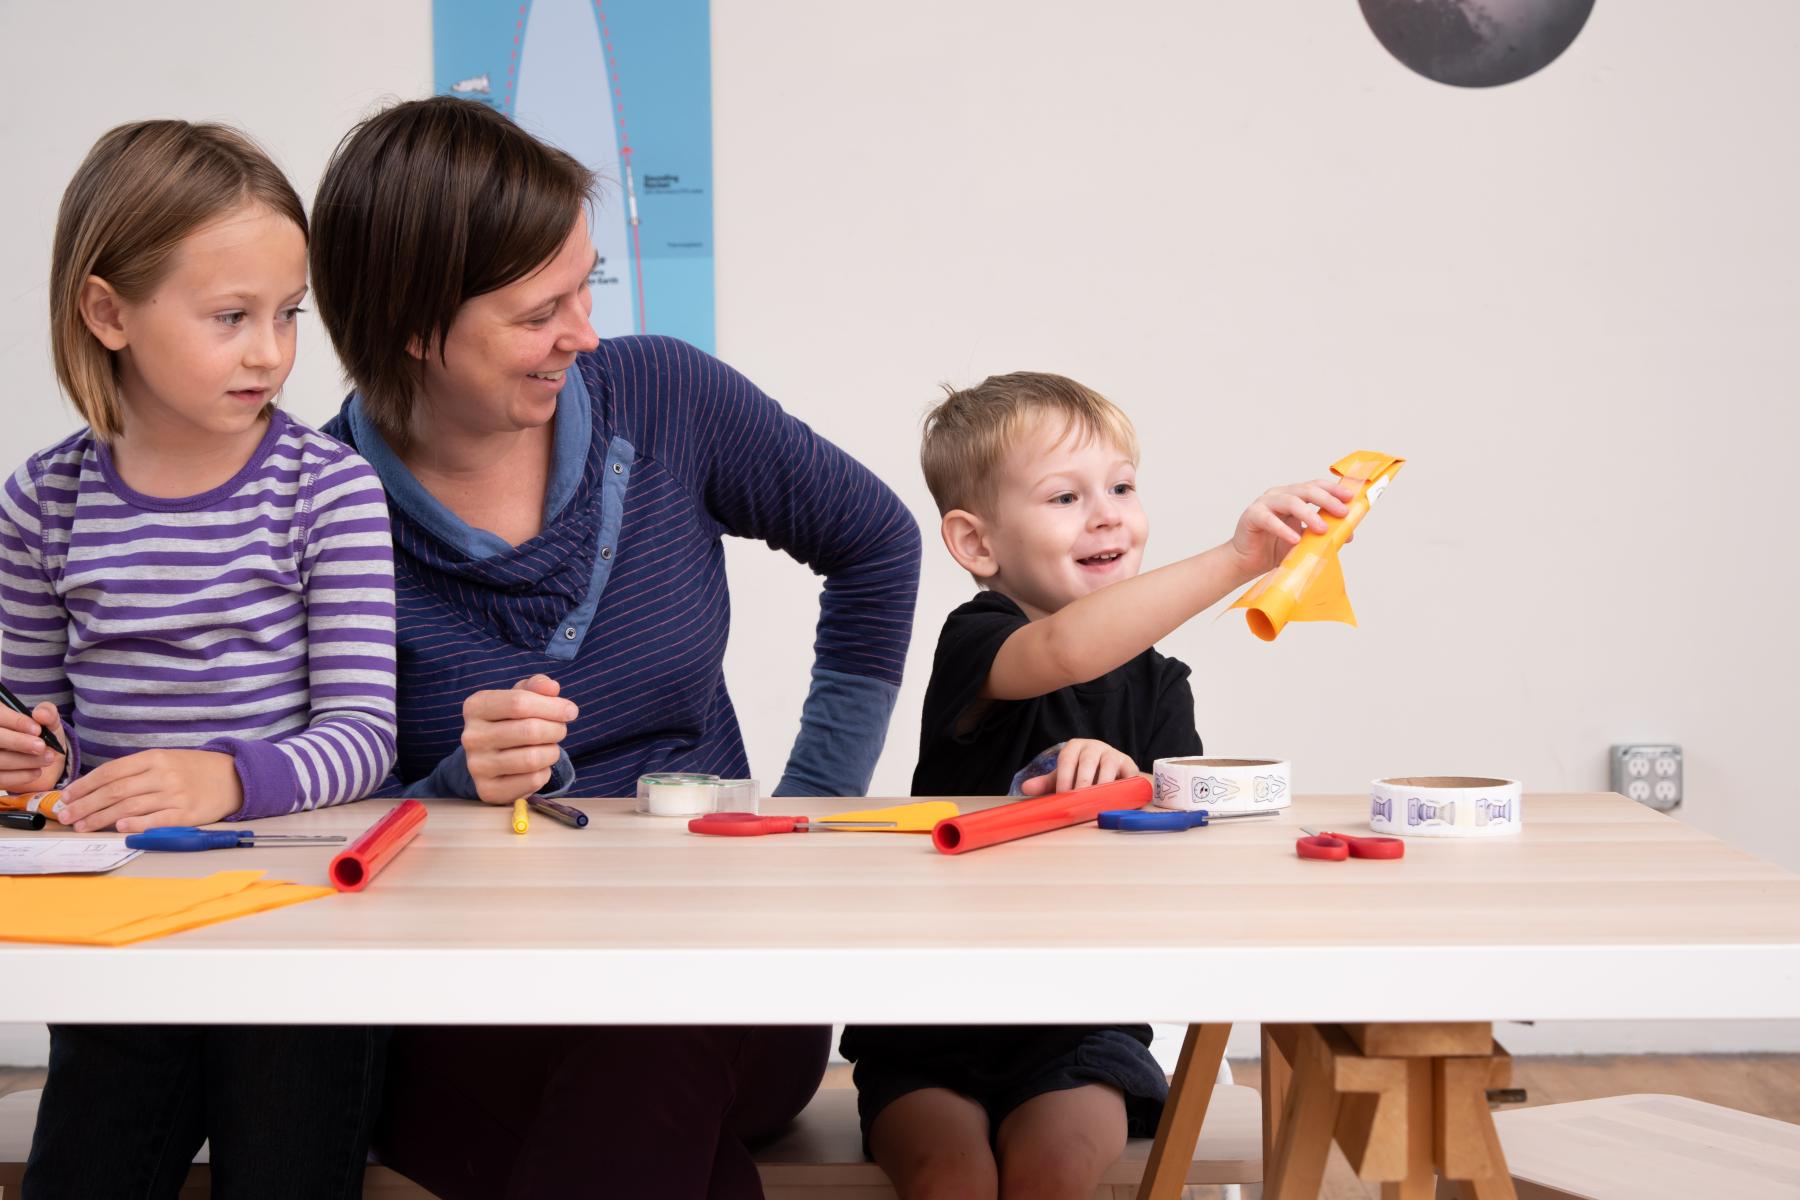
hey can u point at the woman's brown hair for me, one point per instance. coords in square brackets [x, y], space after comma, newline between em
[138, 194]
[424, 206]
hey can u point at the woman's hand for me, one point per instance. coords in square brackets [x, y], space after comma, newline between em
[27, 764]
[1081, 763]
[513, 738]
[154, 787]
[1272, 525]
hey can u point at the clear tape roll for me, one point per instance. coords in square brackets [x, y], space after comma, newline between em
[1223, 784]
[686, 794]
[1447, 806]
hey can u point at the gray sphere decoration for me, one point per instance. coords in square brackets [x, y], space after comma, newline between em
[1476, 43]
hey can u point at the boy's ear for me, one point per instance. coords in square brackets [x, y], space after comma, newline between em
[965, 536]
[102, 312]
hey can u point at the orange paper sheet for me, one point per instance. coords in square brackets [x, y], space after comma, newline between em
[95, 910]
[921, 817]
[1309, 583]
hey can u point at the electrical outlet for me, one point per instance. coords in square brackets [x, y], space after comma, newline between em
[1649, 774]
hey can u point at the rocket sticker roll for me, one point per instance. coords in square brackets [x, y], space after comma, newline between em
[1309, 583]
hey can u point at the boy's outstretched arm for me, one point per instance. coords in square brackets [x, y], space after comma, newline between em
[1108, 628]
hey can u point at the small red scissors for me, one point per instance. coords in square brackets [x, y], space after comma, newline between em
[743, 824]
[1336, 847]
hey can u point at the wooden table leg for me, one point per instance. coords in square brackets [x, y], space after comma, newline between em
[1303, 1144]
[1165, 1173]
[1408, 1104]
[1421, 1137]
[1468, 1145]
[1276, 1076]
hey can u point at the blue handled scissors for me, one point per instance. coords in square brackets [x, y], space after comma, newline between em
[187, 837]
[1143, 820]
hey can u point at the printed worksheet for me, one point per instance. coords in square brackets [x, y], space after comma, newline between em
[62, 855]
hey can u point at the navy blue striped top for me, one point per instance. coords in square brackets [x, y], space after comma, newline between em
[660, 451]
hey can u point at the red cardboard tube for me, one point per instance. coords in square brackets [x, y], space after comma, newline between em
[363, 859]
[1023, 818]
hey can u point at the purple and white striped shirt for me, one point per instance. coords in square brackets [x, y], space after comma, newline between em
[255, 619]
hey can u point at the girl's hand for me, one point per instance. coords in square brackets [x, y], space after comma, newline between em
[1080, 763]
[513, 738]
[1272, 525]
[154, 787]
[26, 763]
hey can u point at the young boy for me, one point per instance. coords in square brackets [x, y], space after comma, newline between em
[1035, 476]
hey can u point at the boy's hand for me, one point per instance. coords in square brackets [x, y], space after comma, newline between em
[154, 787]
[26, 763]
[1082, 762]
[513, 737]
[1272, 526]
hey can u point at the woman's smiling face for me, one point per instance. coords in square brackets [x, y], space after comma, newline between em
[506, 352]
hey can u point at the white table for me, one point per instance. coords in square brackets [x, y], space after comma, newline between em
[1601, 908]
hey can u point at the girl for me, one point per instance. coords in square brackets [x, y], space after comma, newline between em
[198, 604]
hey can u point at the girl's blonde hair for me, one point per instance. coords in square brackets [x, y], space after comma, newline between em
[142, 189]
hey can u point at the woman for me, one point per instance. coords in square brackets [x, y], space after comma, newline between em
[558, 505]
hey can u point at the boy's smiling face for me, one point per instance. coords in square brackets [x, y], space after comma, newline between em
[1065, 518]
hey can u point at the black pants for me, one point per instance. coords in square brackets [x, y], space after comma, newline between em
[288, 1110]
[669, 1113]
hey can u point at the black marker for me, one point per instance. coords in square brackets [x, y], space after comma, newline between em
[17, 705]
[22, 820]
[567, 814]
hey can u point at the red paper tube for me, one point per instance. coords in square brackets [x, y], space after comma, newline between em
[363, 859]
[1008, 822]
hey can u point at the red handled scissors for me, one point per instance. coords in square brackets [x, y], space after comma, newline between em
[743, 824]
[1336, 847]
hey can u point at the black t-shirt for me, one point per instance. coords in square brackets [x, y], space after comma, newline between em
[1144, 708]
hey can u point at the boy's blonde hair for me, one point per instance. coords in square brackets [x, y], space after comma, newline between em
[969, 432]
[142, 189]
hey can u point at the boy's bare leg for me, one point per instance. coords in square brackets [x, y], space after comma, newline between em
[1057, 1145]
[933, 1143]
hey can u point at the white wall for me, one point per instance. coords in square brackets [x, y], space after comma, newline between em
[1569, 302]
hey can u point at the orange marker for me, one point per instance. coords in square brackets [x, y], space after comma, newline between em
[47, 803]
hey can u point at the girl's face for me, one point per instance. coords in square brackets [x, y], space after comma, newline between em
[213, 344]
[506, 351]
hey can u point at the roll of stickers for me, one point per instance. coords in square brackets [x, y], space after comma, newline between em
[1222, 784]
[1445, 806]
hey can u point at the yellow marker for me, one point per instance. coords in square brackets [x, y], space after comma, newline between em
[521, 816]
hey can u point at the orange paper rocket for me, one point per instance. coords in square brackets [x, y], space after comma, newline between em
[1309, 583]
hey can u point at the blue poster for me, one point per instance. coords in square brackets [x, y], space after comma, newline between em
[626, 87]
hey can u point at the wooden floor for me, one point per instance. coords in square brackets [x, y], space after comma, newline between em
[1768, 1084]
[20, 1079]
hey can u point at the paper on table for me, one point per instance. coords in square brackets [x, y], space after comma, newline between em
[112, 912]
[1309, 583]
[62, 855]
[260, 896]
[906, 818]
